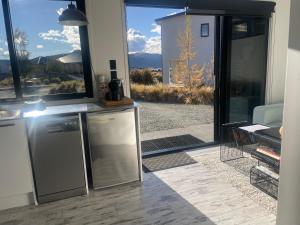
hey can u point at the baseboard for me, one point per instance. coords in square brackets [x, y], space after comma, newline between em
[16, 201]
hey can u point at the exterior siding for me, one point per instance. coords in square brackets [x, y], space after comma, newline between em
[203, 46]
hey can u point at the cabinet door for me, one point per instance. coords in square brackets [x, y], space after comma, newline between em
[15, 170]
[113, 148]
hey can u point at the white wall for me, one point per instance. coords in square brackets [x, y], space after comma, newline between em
[107, 36]
[203, 46]
[278, 44]
[289, 190]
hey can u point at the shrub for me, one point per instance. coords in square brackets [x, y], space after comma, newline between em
[56, 80]
[6, 82]
[68, 87]
[145, 76]
[168, 94]
[45, 81]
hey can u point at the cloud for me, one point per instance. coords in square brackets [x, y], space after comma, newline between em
[5, 53]
[69, 35]
[51, 35]
[136, 40]
[39, 46]
[153, 45]
[1, 49]
[156, 28]
[60, 10]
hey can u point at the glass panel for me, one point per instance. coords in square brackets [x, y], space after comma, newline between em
[6, 80]
[49, 54]
[248, 66]
[172, 77]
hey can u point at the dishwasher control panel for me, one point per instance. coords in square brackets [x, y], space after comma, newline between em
[63, 126]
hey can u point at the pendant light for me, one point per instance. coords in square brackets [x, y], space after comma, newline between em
[72, 17]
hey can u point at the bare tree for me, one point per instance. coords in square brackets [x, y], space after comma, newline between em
[184, 72]
[21, 43]
[209, 71]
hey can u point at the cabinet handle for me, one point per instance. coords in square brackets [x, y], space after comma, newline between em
[7, 125]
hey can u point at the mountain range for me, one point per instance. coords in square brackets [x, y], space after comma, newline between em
[144, 60]
[136, 60]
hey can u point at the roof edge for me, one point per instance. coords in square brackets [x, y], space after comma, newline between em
[170, 16]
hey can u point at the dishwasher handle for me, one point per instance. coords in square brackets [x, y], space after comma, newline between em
[53, 131]
[111, 111]
[59, 127]
[7, 125]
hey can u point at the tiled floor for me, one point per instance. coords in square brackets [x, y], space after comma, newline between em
[184, 195]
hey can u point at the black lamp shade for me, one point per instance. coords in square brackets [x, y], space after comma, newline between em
[72, 17]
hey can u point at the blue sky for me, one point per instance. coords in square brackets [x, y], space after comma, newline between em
[39, 20]
[142, 19]
[142, 33]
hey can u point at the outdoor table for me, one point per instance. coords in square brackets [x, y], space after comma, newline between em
[235, 139]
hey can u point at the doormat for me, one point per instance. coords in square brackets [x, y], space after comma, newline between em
[170, 143]
[167, 161]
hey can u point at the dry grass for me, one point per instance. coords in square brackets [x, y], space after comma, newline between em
[68, 87]
[169, 94]
[7, 82]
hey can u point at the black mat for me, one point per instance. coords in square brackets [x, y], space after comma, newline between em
[166, 161]
[170, 143]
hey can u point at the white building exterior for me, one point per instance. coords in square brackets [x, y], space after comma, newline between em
[203, 46]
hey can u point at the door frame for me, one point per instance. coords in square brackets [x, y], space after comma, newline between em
[224, 73]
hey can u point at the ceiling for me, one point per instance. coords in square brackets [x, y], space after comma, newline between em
[249, 6]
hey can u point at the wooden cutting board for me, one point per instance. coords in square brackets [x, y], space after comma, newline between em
[124, 101]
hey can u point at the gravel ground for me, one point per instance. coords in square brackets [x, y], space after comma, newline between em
[162, 116]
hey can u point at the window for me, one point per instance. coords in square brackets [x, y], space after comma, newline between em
[6, 78]
[52, 60]
[205, 30]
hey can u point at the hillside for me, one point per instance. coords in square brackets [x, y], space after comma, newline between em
[144, 60]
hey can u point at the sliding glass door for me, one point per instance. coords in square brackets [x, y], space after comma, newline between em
[244, 65]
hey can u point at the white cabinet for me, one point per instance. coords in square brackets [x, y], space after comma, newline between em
[16, 183]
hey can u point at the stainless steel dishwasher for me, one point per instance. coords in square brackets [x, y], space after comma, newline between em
[113, 146]
[57, 157]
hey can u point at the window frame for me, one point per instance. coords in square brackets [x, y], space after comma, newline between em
[86, 61]
[202, 27]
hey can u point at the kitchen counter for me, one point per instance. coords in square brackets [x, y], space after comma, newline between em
[24, 191]
[64, 109]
